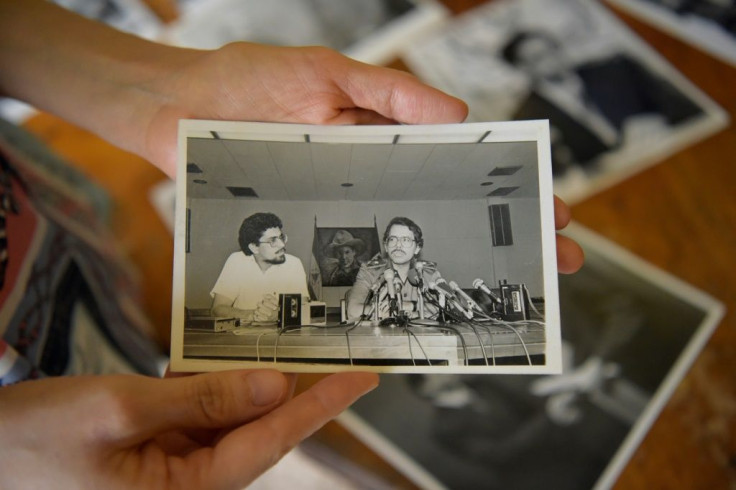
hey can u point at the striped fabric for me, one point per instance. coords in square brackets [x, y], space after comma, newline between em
[64, 282]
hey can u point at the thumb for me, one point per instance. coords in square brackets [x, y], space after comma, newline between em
[263, 442]
[207, 401]
[398, 95]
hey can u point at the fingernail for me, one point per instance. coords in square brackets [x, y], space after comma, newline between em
[266, 387]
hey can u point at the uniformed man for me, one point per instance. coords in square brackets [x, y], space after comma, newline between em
[390, 272]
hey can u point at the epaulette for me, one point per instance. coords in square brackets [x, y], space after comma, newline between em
[377, 261]
[427, 266]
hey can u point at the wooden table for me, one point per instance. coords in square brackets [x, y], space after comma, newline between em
[367, 343]
[679, 215]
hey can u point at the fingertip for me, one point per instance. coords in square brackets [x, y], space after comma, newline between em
[570, 255]
[340, 390]
[267, 387]
[459, 110]
[367, 381]
[563, 215]
[437, 107]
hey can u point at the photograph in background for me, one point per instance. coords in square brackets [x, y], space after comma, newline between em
[613, 103]
[371, 31]
[707, 24]
[448, 230]
[630, 332]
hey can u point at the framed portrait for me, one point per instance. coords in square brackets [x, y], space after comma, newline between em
[341, 251]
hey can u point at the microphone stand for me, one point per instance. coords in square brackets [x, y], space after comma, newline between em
[420, 304]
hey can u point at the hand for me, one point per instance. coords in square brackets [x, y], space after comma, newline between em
[132, 92]
[570, 255]
[216, 430]
[314, 85]
[267, 309]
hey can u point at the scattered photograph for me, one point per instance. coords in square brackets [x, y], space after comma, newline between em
[388, 248]
[614, 105]
[708, 24]
[368, 30]
[629, 334]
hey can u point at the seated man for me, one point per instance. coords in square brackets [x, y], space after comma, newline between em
[251, 279]
[398, 270]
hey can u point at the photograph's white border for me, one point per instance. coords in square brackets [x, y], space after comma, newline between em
[493, 132]
[657, 277]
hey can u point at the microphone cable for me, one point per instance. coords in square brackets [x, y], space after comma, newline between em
[412, 334]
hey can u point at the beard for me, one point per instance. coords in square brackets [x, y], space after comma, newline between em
[279, 259]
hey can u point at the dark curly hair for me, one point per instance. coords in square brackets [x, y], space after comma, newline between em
[253, 228]
[400, 220]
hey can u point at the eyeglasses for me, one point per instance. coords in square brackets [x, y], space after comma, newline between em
[403, 240]
[273, 241]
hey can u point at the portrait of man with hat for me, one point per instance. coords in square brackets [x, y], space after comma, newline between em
[341, 264]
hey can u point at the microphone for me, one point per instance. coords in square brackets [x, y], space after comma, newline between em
[447, 293]
[464, 296]
[442, 295]
[375, 288]
[480, 285]
[388, 276]
[397, 287]
[415, 277]
[421, 264]
[441, 285]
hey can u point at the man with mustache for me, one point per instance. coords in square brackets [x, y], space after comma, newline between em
[251, 279]
[402, 241]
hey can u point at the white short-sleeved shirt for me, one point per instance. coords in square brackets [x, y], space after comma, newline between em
[243, 281]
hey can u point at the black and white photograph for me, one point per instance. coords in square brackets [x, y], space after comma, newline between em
[371, 31]
[630, 332]
[391, 248]
[614, 105]
[708, 24]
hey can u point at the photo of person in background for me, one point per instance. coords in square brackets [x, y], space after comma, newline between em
[589, 105]
[252, 279]
[342, 263]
